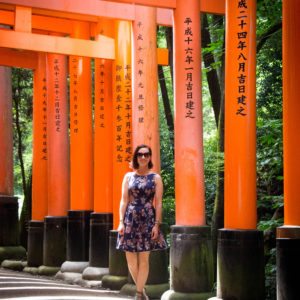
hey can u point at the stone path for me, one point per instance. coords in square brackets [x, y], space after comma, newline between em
[24, 286]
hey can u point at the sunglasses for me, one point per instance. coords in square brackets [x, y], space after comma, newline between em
[146, 155]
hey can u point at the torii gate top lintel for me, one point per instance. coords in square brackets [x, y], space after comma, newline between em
[208, 6]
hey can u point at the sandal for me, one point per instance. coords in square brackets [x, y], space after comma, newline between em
[145, 296]
[138, 296]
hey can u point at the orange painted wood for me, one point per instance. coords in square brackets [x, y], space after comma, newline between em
[103, 48]
[145, 123]
[88, 10]
[208, 6]
[6, 133]
[151, 3]
[122, 126]
[21, 59]
[189, 170]
[81, 127]
[240, 116]
[58, 136]
[40, 148]
[162, 56]
[103, 139]
[23, 19]
[291, 105]
[213, 6]
[53, 24]
[7, 17]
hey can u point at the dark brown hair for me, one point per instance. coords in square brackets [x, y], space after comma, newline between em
[135, 163]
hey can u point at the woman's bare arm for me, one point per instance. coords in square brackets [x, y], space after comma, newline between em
[123, 203]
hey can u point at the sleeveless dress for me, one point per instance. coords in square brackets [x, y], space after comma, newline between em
[139, 216]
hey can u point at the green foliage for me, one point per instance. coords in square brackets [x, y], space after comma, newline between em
[22, 83]
[268, 14]
[269, 136]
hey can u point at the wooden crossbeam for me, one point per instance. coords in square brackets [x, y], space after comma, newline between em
[20, 41]
[102, 48]
[18, 58]
[89, 10]
[208, 6]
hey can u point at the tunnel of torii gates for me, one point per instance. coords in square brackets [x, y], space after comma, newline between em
[77, 171]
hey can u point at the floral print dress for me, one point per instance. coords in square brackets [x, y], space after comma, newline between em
[140, 216]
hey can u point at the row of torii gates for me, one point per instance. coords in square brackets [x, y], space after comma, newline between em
[77, 171]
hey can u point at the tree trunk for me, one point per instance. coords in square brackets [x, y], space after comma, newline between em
[167, 106]
[216, 88]
[26, 208]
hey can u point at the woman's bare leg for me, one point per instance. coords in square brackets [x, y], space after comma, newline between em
[143, 270]
[132, 262]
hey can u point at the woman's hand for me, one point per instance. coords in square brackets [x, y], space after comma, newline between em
[121, 228]
[155, 231]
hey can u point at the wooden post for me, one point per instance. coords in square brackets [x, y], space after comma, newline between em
[189, 170]
[240, 121]
[145, 115]
[102, 218]
[240, 245]
[122, 145]
[190, 238]
[40, 149]
[81, 150]
[58, 136]
[81, 127]
[288, 236]
[9, 222]
[55, 237]
[122, 130]
[39, 206]
[6, 133]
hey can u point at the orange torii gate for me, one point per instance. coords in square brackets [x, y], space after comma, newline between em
[190, 217]
[71, 46]
[240, 239]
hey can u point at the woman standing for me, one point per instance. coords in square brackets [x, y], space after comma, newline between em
[139, 221]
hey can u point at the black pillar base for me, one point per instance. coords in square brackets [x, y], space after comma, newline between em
[55, 241]
[35, 243]
[100, 226]
[288, 262]
[240, 265]
[191, 262]
[78, 235]
[118, 270]
[158, 278]
[9, 221]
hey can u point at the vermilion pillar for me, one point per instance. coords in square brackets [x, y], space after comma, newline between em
[122, 145]
[291, 134]
[240, 122]
[39, 164]
[122, 131]
[189, 171]
[190, 237]
[288, 236]
[240, 245]
[145, 115]
[58, 136]
[9, 231]
[145, 119]
[58, 161]
[81, 150]
[81, 127]
[102, 218]
[6, 134]
[40, 149]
